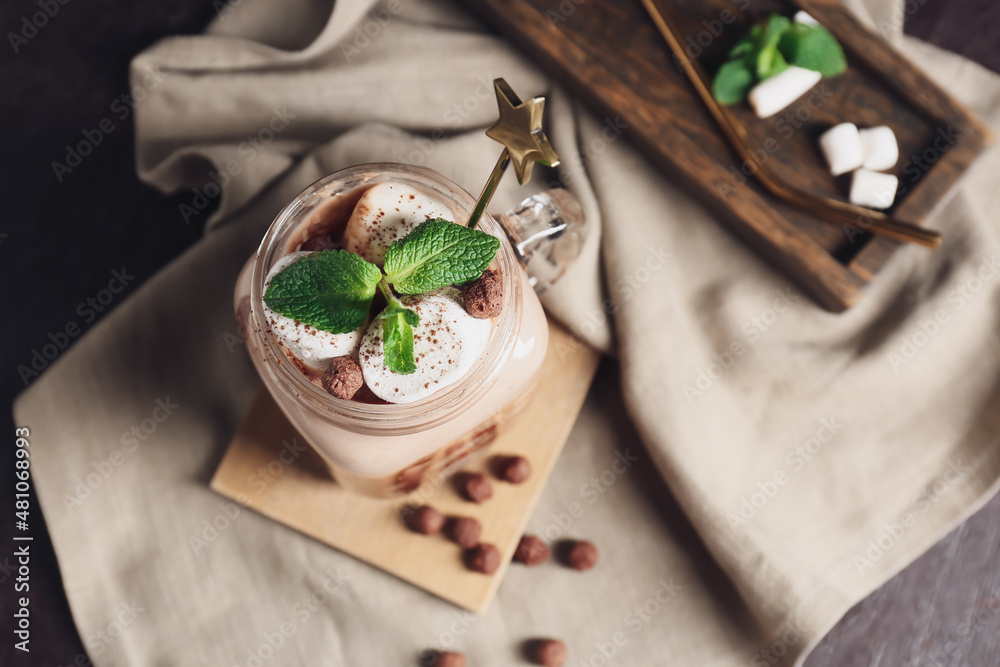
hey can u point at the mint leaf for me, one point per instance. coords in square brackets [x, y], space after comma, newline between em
[438, 253]
[397, 338]
[732, 81]
[773, 29]
[331, 290]
[736, 76]
[769, 60]
[409, 315]
[813, 47]
[397, 333]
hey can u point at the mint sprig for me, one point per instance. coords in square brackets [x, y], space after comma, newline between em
[768, 49]
[397, 335]
[332, 290]
[438, 253]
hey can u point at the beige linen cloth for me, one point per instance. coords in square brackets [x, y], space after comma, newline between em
[809, 456]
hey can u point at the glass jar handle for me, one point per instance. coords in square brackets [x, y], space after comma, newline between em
[547, 231]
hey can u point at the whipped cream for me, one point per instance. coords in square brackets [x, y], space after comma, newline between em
[386, 212]
[312, 347]
[446, 345]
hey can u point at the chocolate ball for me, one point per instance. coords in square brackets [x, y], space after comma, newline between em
[448, 659]
[483, 297]
[531, 551]
[343, 378]
[425, 520]
[514, 469]
[483, 558]
[582, 555]
[548, 652]
[464, 531]
[476, 487]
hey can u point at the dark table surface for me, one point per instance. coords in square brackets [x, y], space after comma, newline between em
[62, 237]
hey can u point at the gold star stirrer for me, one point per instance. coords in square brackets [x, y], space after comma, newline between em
[519, 129]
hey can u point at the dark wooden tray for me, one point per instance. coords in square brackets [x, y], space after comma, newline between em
[610, 54]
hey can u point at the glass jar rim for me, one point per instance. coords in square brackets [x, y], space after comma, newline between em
[391, 418]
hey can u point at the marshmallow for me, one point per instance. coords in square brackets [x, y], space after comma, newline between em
[873, 189]
[446, 345]
[385, 213]
[841, 146]
[880, 148]
[312, 347]
[772, 95]
[804, 18]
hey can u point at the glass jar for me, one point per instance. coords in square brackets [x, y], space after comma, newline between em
[389, 449]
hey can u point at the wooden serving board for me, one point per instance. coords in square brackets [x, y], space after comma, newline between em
[305, 498]
[611, 55]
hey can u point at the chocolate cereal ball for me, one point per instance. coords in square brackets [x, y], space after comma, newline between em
[448, 659]
[514, 469]
[531, 551]
[548, 652]
[484, 558]
[483, 297]
[425, 520]
[343, 377]
[581, 555]
[464, 531]
[476, 487]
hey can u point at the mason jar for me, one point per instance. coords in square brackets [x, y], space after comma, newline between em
[381, 449]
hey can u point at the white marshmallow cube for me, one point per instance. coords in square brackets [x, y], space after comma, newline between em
[880, 148]
[772, 95]
[804, 18]
[873, 189]
[841, 146]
